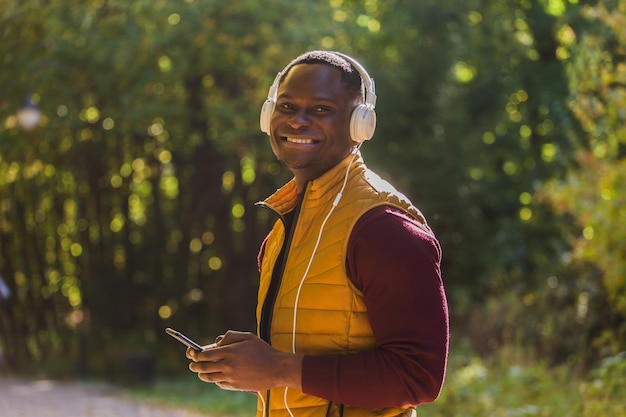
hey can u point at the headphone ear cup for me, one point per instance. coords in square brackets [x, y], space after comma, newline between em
[362, 123]
[266, 115]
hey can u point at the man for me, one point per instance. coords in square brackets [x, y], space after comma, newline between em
[352, 315]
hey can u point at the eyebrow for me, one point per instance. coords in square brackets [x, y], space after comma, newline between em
[317, 98]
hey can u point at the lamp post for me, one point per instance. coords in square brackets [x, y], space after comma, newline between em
[28, 115]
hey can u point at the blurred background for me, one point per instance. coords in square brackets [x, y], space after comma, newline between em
[131, 159]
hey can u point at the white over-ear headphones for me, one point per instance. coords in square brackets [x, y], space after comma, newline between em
[363, 118]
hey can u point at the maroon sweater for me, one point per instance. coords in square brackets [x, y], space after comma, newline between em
[396, 264]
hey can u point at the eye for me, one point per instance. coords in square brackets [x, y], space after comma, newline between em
[285, 107]
[321, 109]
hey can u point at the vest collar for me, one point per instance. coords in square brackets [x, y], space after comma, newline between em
[320, 191]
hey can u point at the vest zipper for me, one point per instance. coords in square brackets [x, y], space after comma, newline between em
[267, 311]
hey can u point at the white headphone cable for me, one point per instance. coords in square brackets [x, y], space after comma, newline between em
[306, 271]
[319, 237]
[262, 402]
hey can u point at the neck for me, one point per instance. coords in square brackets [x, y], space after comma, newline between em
[302, 177]
[305, 175]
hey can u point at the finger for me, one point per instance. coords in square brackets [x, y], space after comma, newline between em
[191, 354]
[214, 378]
[202, 367]
[232, 336]
[202, 364]
[211, 353]
[194, 354]
[207, 347]
[226, 386]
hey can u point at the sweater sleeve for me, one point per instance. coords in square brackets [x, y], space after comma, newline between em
[395, 262]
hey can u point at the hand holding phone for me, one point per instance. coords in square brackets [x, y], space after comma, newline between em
[183, 339]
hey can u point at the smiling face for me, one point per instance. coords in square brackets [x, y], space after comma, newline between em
[310, 126]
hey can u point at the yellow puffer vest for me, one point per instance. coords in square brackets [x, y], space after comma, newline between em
[331, 317]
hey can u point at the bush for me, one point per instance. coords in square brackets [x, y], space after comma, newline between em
[474, 387]
[477, 387]
[604, 394]
[188, 392]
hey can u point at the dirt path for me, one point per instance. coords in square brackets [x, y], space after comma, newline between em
[23, 398]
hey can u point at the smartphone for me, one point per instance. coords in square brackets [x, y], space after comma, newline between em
[183, 339]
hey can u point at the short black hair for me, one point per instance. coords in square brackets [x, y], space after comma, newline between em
[350, 76]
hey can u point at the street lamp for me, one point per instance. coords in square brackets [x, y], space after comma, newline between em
[28, 115]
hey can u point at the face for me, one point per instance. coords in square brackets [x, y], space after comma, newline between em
[310, 126]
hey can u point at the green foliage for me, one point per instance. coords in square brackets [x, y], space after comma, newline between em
[472, 130]
[503, 386]
[131, 203]
[594, 190]
[481, 388]
[129, 207]
[604, 394]
[192, 394]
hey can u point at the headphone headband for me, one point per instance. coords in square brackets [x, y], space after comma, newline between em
[368, 82]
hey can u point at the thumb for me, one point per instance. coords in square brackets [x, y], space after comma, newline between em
[232, 336]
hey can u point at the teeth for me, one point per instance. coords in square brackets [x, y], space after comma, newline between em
[301, 141]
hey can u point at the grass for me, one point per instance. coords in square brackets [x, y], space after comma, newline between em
[502, 387]
[475, 387]
[188, 392]
[482, 388]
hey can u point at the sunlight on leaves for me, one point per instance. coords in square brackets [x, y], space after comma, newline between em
[248, 171]
[473, 371]
[165, 64]
[340, 16]
[117, 223]
[173, 19]
[165, 312]
[108, 123]
[195, 245]
[474, 17]
[238, 210]
[228, 181]
[525, 214]
[90, 115]
[215, 263]
[554, 7]
[548, 152]
[169, 186]
[489, 138]
[464, 72]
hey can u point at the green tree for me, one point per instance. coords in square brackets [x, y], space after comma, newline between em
[130, 206]
[594, 190]
[473, 119]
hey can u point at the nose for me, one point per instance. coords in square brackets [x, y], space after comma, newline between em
[299, 119]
